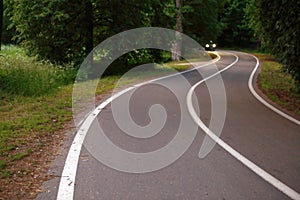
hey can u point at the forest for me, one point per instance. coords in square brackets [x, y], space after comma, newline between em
[65, 31]
[43, 43]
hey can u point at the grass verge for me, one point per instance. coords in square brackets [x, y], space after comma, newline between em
[184, 64]
[35, 109]
[278, 85]
[30, 130]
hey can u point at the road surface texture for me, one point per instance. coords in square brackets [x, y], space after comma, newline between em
[256, 132]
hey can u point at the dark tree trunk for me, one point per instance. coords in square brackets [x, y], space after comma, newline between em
[179, 16]
[1, 21]
[89, 27]
[177, 46]
[89, 37]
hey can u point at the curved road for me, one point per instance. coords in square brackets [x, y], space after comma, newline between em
[267, 139]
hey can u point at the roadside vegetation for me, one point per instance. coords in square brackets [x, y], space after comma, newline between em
[24, 75]
[55, 37]
[35, 106]
[278, 85]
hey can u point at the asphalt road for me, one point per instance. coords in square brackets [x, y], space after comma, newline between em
[256, 132]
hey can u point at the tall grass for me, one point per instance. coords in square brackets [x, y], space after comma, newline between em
[23, 75]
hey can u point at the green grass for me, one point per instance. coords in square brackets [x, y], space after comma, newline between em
[36, 108]
[35, 103]
[184, 65]
[18, 156]
[23, 75]
[278, 85]
[2, 164]
[28, 123]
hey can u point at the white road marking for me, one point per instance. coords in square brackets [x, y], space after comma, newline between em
[262, 100]
[67, 181]
[252, 166]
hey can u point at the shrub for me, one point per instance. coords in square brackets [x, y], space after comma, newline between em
[23, 75]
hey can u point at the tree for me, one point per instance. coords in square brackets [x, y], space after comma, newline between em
[200, 19]
[236, 31]
[176, 49]
[52, 30]
[115, 16]
[277, 23]
[6, 33]
[89, 23]
[1, 21]
[65, 31]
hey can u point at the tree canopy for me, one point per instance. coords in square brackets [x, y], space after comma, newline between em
[236, 31]
[277, 24]
[65, 31]
[60, 30]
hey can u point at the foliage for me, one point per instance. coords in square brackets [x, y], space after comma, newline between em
[112, 17]
[30, 123]
[277, 23]
[22, 75]
[236, 31]
[1, 21]
[29, 126]
[64, 31]
[54, 30]
[62, 34]
[7, 34]
[201, 20]
[279, 86]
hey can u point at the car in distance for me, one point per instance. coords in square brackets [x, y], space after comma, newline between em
[210, 46]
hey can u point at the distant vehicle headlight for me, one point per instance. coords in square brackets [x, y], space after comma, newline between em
[207, 45]
[214, 45]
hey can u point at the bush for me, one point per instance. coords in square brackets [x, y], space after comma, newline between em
[279, 32]
[23, 75]
[135, 58]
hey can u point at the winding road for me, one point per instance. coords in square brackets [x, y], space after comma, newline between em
[256, 157]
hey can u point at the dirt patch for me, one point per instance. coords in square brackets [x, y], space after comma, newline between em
[26, 175]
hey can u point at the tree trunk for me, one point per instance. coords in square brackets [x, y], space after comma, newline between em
[89, 27]
[179, 16]
[177, 46]
[89, 38]
[1, 21]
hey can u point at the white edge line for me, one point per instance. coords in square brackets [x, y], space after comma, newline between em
[259, 98]
[252, 166]
[67, 180]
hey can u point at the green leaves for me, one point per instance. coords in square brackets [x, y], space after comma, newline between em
[236, 31]
[63, 31]
[277, 23]
[51, 29]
